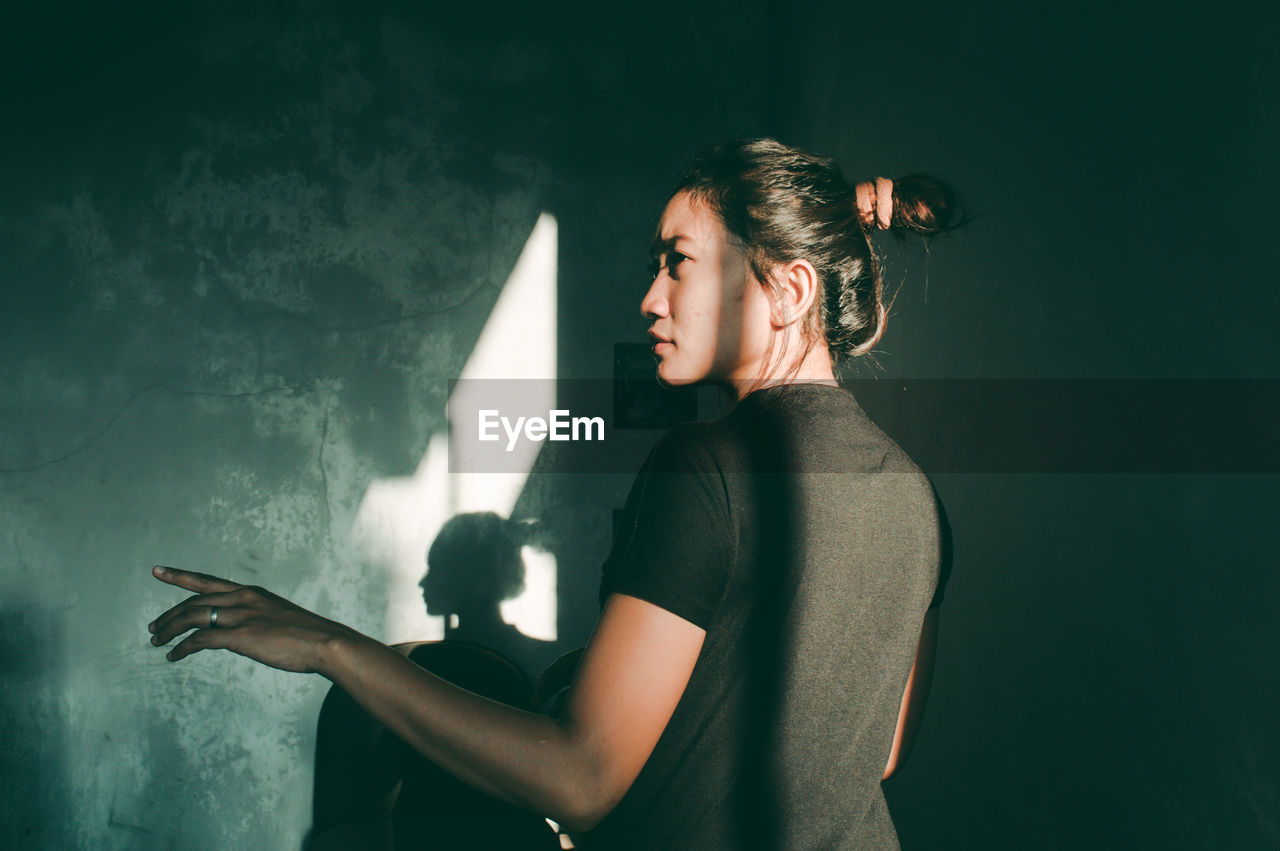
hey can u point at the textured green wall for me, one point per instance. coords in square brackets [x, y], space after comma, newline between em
[243, 248]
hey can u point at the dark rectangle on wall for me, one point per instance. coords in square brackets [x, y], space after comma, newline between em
[638, 400]
[946, 426]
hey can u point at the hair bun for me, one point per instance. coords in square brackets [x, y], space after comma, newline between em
[926, 205]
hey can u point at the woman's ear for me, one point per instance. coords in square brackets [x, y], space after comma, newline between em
[796, 286]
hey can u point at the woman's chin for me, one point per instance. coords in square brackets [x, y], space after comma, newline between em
[667, 378]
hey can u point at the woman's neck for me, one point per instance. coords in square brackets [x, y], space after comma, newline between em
[813, 368]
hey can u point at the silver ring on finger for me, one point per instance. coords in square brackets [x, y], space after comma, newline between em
[213, 617]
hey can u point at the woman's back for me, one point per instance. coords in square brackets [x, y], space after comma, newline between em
[806, 543]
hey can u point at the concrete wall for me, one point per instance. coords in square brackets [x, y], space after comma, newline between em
[244, 247]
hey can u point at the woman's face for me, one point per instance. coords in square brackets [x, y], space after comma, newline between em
[709, 314]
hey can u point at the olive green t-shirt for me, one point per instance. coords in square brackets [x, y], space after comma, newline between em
[806, 543]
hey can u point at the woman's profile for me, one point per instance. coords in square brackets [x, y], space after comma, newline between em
[768, 608]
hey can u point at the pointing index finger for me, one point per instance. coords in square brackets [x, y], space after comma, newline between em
[202, 583]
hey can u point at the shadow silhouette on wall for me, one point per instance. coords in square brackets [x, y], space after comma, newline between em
[473, 565]
[371, 788]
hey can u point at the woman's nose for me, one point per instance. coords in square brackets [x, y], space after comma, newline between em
[654, 304]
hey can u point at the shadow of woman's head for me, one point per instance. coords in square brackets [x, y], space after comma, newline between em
[473, 565]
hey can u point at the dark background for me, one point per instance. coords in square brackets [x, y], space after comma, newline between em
[244, 247]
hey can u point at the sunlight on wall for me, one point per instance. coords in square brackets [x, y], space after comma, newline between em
[399, 518]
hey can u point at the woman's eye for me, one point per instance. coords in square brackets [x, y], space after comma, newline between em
[670, 262]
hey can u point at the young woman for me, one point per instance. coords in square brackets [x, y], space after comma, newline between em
[766, 630]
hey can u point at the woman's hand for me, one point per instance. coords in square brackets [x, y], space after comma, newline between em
[249, 620]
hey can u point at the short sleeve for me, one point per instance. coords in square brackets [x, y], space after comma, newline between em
[673, 547]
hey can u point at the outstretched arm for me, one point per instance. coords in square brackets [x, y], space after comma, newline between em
[574, 769]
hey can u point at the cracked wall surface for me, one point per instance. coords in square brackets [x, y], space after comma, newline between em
[243, 251]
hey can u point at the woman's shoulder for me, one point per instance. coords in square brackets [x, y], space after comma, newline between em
[696, 445]
[797, 428]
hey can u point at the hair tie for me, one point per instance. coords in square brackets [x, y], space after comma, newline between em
[875, 202]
